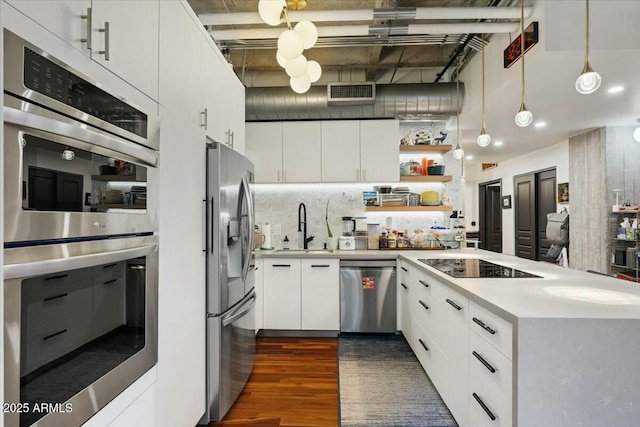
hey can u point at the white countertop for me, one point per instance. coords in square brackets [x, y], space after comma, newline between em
[560, 293]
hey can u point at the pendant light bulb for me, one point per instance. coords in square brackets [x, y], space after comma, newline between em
[290, 44]
[270, 11]
[636, 134]
[588, 81]
[484, 139]
[458, 154]
[524, 117]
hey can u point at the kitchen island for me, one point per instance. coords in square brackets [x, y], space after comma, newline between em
[558, 350]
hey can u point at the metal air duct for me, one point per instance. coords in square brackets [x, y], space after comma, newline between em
[400, 101]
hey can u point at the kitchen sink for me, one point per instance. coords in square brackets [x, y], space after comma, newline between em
[305, 251]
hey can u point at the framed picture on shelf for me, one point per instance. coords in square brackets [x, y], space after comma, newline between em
[506, 202]
[563, 192]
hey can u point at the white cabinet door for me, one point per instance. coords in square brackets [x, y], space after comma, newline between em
[379, 150]
[301, 151]
[282, 293]
[321, 294]
[263, 146]
[340, 151]
[259, 294]
[131, 42]
[63, 18]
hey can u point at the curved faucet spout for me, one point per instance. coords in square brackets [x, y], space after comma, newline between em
[302, 225]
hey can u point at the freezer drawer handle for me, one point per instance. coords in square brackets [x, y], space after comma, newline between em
[423, 283]
[426, 307]
[423, 344]
[404, 269]
[453, 304]
[483, 326]
[481, 403]
[60, 276]
[403, 285]
[281, 265]
[55, 297]
[484, 362]
[320, 265]
[54, 335]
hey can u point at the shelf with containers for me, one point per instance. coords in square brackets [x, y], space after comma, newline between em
[625, 245]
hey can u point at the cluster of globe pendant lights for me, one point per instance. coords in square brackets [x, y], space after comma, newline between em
[291, 44]
[588, 82]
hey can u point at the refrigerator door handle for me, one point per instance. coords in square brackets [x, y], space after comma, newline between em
[248, 238]
[232, 317]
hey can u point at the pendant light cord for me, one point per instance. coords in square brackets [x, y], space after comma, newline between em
[458, 103]
[586, 52]
[483, 102]
[522, 44]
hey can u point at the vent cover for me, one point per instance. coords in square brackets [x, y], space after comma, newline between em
[351, 93]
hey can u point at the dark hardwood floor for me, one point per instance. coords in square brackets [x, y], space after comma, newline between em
[294, 383]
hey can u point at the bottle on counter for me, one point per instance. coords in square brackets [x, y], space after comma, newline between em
[285, 242]
[391, 241]
[383, 239]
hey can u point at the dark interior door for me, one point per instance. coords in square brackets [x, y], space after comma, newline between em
[42, 189]
[525, 216]
[545, 203]
[69, 192]
[491, 217]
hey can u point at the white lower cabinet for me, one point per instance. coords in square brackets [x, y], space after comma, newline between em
[404, 297]
[282, 293]
[320, 294]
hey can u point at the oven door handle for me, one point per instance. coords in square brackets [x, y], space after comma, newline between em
[38, 268]
[64, 129]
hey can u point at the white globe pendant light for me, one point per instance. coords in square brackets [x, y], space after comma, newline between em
[300, 84]
[314, 71]
[296, 67]
[270, 11]
[308, 32]
[281, 59]
[589, 81]
[524, 117]
[290, 44]
[636, 134]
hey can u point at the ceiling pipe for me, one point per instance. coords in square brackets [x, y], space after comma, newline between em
[420, 13]
[366, 30]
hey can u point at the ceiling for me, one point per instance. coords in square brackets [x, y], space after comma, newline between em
[389, 57]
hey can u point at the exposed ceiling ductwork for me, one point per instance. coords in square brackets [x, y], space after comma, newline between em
[435, 101]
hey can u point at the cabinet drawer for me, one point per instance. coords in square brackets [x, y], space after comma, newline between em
[432, 359]
[55, 303]
[57, 279]
[421, 308]
[493, 328]
[486, 362]
[43, 345]
[487, 405]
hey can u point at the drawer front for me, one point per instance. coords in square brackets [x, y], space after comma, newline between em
[57, 279]
[432, 359]
[491, 366]
[424, 283]
[405, 271]
[487, 404]
[422, 311]
[52, 341]
[55, 303]
[493, 328]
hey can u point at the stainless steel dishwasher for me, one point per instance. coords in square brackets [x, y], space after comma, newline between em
[368, 296]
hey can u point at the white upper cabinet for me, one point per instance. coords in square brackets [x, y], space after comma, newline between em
[131, 40]
[379, 150]
[264, 149]
[341, 151]
[301, 151]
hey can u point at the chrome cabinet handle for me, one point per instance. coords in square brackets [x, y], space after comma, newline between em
[205, 118]
[453, 304]
[484, 362]
[484, 326]
[105, 30]
[89, 19]
[232, 138]
[482, 404]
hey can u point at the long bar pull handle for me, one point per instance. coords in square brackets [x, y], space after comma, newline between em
[403, 285]
[232, 138]
[206, 226]
[54, 335]
[403, 269]
[484, 362]
[426, 307]
[205, 118]
[89, 39]
[423, 344]
[105, 30]
[213, 224]
[320, 265]
[453, 304]
[55, 297]
[484, 326]
[423, 283]
[486, 409]
[60, 276]
[281, 265]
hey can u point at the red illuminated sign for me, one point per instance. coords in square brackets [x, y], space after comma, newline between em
[513, 52]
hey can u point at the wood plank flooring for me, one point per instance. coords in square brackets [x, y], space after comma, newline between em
[294, 383]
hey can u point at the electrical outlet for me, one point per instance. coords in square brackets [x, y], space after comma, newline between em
[277, 229]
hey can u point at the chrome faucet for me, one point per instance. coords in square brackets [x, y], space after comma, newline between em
[302, 225]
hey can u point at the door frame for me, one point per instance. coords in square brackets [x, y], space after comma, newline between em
[482, 193]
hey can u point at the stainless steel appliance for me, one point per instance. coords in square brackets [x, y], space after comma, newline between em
[368, 296]
[475, 268]
[73, 153]
[230, 278]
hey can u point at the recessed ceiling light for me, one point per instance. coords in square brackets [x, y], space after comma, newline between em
[469, 157]
[498, 143]
[615, 89]
[540, 124]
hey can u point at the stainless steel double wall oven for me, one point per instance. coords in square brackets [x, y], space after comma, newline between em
[81, 240]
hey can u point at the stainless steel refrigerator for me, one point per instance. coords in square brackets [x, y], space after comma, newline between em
[230, 280]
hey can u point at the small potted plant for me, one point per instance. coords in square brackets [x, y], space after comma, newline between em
[333, 241]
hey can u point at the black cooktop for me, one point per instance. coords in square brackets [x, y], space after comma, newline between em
[475, 268]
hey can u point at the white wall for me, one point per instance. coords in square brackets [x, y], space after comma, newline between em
[1, 222]
[553, 156]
